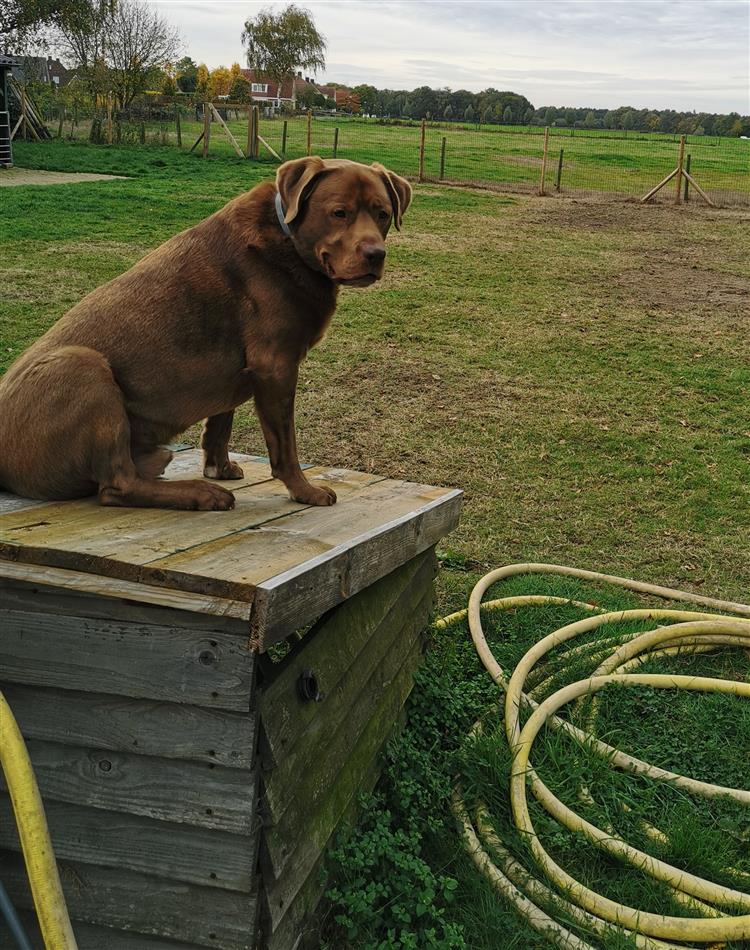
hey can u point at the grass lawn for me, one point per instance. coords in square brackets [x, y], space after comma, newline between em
[580, 368]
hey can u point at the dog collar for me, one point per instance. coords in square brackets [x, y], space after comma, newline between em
[280, 214]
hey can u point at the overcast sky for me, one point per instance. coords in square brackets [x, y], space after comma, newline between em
[678, 54]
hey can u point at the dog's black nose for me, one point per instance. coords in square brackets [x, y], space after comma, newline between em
[373, 253]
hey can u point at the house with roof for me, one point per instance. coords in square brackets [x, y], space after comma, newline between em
[43, 69]
[273, 95]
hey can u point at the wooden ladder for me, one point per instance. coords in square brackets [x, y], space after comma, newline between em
[6, 154]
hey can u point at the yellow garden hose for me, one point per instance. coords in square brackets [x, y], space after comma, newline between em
[720, 913]
[33, 833]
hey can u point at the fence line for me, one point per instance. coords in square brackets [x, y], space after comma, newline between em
[531, 160]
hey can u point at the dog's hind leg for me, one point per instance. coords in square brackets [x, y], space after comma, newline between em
[64, 419]
[215, 445]
[151, 463]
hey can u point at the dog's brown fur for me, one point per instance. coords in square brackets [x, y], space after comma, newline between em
[222, 312]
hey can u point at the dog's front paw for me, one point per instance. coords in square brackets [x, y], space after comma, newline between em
[312, 495]
[211, 498]
[226, 472]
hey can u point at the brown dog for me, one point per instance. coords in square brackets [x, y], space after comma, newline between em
[221, 313]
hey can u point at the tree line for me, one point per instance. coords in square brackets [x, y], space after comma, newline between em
[493, 106]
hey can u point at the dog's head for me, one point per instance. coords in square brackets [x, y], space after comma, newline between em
[339, 213]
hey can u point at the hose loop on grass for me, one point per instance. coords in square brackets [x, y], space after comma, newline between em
[720, 913]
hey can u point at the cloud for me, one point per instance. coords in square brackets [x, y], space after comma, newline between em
[647, 53]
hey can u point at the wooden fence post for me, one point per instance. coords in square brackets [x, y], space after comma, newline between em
[544, 161]
[687, 178]
[559, 171]
[250, 136]
[421, 150]
[109, 118]
[283, 138]
[178, 126]
[60, 124]
[206, 128]
[253, 131]
[309, 132]
[142, 132]
[680, 165]
[442, 160]
[335, 141]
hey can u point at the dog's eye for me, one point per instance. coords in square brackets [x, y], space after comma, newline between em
[339, 213]
[383, 215]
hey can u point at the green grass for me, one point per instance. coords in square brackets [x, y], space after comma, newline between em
[576, 367]
[495, 155]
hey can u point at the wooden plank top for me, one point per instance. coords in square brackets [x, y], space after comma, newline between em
[276, 562]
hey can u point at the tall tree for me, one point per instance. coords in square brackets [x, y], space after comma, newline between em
[22, 21]
[186, 72]
[220, 83]
[117, 47]
[139, 41]
[278, 45]
[81, 38]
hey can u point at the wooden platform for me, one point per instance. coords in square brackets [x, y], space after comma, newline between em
[272, 561]
[189, 786]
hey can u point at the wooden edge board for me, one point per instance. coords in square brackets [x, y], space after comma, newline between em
[114, 588]
[275, 613]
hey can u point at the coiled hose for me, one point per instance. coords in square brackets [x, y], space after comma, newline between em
[722, 913]
[33, 833]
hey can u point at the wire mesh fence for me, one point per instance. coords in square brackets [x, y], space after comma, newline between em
[573, 161]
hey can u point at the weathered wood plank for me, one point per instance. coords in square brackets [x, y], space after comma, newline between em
[108, 594]
[281, 892]
[144, 905]
[10, 502]
[94, 540]
[194, 793]
[146, 661]
[331, 649]
[146, 727]
[194, 855]
[320, 556]
[379, 616]
[90, 937]
[312, 790]
[321, 582]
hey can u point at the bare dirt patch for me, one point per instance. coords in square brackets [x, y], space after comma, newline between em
[10, 177]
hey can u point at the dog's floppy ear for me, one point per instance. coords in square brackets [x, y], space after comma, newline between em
[294, 180]
[399, 190]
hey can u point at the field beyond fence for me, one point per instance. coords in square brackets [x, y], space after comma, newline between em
[578, 161]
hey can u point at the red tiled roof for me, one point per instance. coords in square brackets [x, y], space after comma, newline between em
[292, 87]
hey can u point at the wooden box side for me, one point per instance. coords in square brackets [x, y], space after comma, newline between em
[141, 724]
[319, 756]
